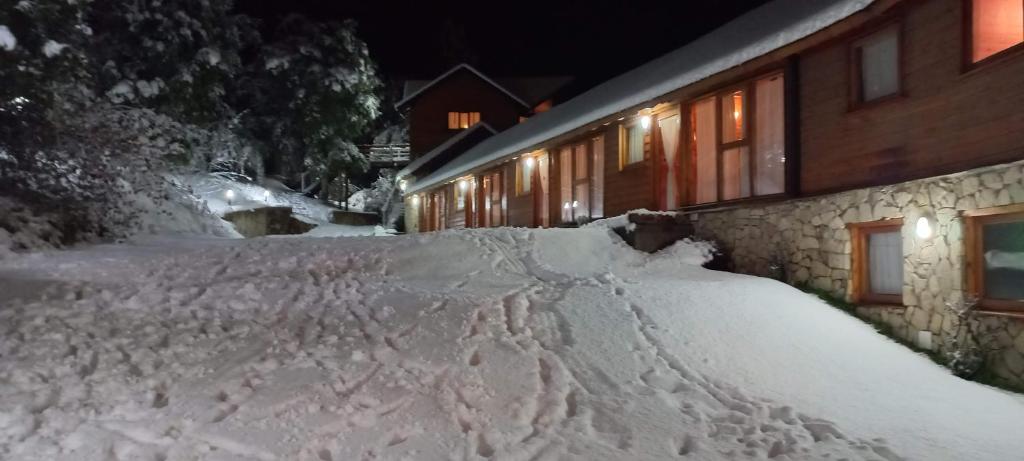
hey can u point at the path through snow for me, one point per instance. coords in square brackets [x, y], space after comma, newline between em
[496, 344]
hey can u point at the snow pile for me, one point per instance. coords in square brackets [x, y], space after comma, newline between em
[480, 344]
[213, 189]
[7, 40]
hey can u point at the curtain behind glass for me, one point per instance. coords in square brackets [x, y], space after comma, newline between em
[885, 259]
[880, 64]
[636, 144]
[565, 183]
[736, 173]
[769, 137]
[706, 151]
[670, 143]
[597, 181]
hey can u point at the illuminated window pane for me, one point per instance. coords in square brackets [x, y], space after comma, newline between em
[634, 144]
[705, 148]
[735, 173]
[769, 136]
[453, 120]
[996, 25]
[733, 105]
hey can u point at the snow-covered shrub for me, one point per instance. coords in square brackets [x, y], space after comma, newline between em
[971, 340]
[23, 229]
[380, 194]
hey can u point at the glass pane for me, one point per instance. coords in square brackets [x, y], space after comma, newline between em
[565, 183]
[463, 120]
[474, 118]
[597, 179]
[769, 137]
[669, 128]
[1003, 246]
[879, 55]
[580, 154]
[635, 144]
[885, 263]
[581, 205]
[544, 184]
[705, 150]
[733, 105]
[453, 120]
[736, 173]
[996, 25]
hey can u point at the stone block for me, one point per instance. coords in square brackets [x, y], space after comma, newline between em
[839, 261]
[992, 180]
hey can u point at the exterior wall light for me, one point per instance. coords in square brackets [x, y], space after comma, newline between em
[645, 122]
[415, 200]
[924, 228]
[402, 185]
[529, 162]
[266, 196]
[230, 195]
[463, 185]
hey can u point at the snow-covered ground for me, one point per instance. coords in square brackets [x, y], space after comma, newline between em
[496, 344]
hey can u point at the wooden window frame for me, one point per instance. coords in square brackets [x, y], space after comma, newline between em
[855, 65]
[974, 246]
[624, 128]
[967, 43]
[748, 85]
[860, 276]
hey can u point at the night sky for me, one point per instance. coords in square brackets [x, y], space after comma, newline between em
[590, 40]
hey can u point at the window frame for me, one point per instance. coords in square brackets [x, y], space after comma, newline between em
[624, 163]
[967, 42]
[747, 84]
[860, 266]
[855, 66]
[974, 245]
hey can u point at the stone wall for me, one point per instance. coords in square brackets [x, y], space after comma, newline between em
[274, 220]
[810, 237]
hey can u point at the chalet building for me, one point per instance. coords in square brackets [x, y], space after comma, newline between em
[874, 149]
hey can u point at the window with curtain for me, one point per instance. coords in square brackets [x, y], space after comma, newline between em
[462, 120]
[727, 163]
[632, 145]
[460, 195]
[996, 25]
[597, 179]
[877, 261]
[524, 175]
[877, 64]
[997, 257]
[565, 183]
[581, 182]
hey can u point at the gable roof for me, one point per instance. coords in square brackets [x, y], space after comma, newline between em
[756, 33]
[420, 89]
[448, 144]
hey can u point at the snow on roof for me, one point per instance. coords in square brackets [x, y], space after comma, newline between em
[443, 147]
[758, 32]
[452, 71]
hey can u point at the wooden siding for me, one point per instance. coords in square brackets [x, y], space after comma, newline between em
[460, 92]
[945, 121]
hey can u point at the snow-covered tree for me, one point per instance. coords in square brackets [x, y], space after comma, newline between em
[313, 93]
[176, 56]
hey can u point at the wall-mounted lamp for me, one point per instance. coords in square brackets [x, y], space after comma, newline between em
[415, 200]
[645, 122]
[529, 162]
[924, 227]
[463, 185]
[402, 185]
[230, 195]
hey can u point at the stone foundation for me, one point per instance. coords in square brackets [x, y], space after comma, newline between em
[354, 218]
[274, 220]
[810, 238]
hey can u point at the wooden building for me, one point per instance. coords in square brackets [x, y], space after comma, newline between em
[900, 122]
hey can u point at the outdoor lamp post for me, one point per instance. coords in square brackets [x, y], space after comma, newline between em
[230, 195]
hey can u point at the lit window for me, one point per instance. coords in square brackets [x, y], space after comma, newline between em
[877, 261]
[728, 165]
[877, 64]
[996, 258]
[524, 175]
[632, 150]
[462, 120]
[996, 25]
[461, 189]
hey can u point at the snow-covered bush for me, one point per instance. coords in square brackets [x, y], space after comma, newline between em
[971, 341]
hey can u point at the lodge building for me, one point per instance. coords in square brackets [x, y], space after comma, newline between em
[873, 148]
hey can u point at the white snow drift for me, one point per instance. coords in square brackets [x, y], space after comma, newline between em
[496, 344]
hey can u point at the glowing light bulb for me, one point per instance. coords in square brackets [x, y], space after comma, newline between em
[463, 185]
[266, 196]
[645, 122]
[923, 228]
[529, 162]
[402, 185]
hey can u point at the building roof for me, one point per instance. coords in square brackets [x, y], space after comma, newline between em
[445, 146]
[756, 33]
[419, 88]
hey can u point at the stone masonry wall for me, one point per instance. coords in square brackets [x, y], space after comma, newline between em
[811, 237]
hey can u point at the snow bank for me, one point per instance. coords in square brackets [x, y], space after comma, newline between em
[480, 344]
